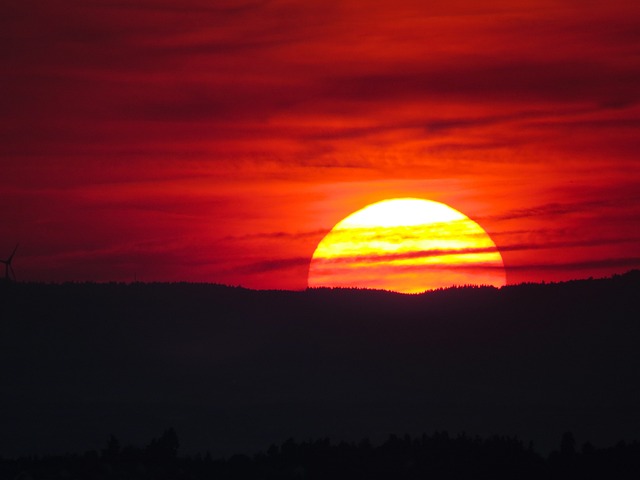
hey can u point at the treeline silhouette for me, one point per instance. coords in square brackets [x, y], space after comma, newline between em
[531, 361]
[436, 456]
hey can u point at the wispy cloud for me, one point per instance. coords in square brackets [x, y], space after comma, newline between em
[587, 265]
[129, 122]
[273, 265]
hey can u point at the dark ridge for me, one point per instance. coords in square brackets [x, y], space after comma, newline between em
[234, 369]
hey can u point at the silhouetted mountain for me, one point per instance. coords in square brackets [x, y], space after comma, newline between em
[234, 369]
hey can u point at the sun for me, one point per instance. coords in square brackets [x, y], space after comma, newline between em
[406, 245]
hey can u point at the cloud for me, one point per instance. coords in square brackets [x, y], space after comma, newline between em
[110, 108]
[557, 208]
[391, 257]
[508, 81]
[276, 235]
[273, 265]
[586, 265]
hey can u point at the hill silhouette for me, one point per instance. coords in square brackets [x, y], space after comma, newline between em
[235, 369]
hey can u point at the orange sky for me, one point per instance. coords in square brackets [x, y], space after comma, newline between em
[219, 141]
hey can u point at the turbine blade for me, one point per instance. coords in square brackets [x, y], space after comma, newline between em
[13, 253]
[13, 273]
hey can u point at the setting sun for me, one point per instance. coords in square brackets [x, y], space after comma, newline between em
[406, 245]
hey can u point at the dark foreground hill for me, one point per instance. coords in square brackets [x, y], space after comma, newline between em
[234, 370]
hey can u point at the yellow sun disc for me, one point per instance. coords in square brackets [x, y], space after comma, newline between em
[406, 245]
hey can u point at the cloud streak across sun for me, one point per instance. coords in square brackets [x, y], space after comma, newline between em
[407, 245]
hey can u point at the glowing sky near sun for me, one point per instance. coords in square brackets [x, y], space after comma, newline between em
[220, 141]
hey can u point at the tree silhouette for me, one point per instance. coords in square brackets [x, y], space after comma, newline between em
[568, 445]
[112, 450]
[164, 448]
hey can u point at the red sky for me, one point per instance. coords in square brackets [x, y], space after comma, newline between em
[219, 141]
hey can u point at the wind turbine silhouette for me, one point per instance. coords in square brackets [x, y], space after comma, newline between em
[8, 269]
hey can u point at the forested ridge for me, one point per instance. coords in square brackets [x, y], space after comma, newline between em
[438, 456]
[234, 370]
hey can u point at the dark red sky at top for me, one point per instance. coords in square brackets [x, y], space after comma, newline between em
[220, 140]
